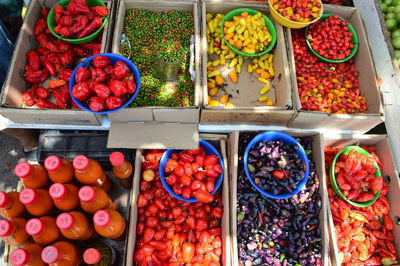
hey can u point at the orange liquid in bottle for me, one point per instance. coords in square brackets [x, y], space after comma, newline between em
[65, 196]
[29, 255]
[43, 230]
[122, 169]
[32, 176]
[94, 199]
[37, 201]
[13, 231]
[60, 170]
[109, 223]
[75, 226]
[10, 206]
[61, 253]
[89, 172]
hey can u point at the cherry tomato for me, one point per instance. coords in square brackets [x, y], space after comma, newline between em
[210, 160]
[186, 157]
[185, 180]
[210, 185]
[188, 250]
[148, 235]
[199, 159]
[191, 222]
[148, 175]
[201, 224]
[187, 193]
[217, 212]
[152, 222]
[204, 196]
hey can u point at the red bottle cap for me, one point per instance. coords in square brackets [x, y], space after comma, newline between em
[20, 257]
[23, 170]
[65, 221]
[6, 228]
[28, 196]
[91, 256]
[102, 218]
[50, 254]
[34, 227]
[4, 199]
[81, 162]
[58, 191]
[53, 163]
[87, 194]
[117, 158]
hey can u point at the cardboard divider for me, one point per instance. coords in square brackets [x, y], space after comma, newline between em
[14, 85]
[317, 146]
[245, 93]
[385, 155]
[218, 141]
[367, 78]
[152, 113]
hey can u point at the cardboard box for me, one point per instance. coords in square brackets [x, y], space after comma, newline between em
[219, 142]
[158, 119]
[389, 170]
[15, 85]
[245, 93]
[320, 168]
[368, 85]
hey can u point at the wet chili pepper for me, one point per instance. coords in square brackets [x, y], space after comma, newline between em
[27, 99]
[96, 104]
[77, 7]
[67, 58]
[80, 23]
[98, 75]
[58, 10]
[63, 99]
[117, 87]
[42, 103]
[81, 91]
[101, 61]
[32, 57]
[82, 74]
[113, 102]
[80, 52]
[44, 12]
[36, 76]
[43, 93]
[40, 26]
[91, 27]
[102, 11]
[66, 20]
[65, 74]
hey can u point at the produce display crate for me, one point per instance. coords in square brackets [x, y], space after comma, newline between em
[15, 85]
[318, 158]
[247, 109]
[389, 172]
[157, 119]
[220, 143]
[368, 85]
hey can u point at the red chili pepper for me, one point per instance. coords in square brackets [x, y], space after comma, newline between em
[56, 83]
[36, 76]
[66, 21]
[80, 24]
[67, 58]
[117, 87]
[77, 7]
[64, 31]
[32, 57]
[91, 27]
[120, 70]
[101, 61]
[102, 11]
[50, 68]
[42, 103]
[42, 51]
[40, 26]
[82, 74]
[81, 91]
[113, 102]
[27, 98]
[102, 90]
[63, 100]
[51, 46]
[365, 196]
[65, 74]
[98, 75]
[42, 38]
[44, 12]
[387, 221]
[58, 13]
[64, 47]
[43, 93]
[96, 104]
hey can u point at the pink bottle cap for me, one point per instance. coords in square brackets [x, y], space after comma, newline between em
[50, 254]
[6, 228]
[4, 199]
[34, 227]
[117, 158]
[102, 218]
[23, 170]
[65, 221]
[28, 196]
[53, 163]
[58, 191]
[91, 256]
[81, 162]
[87, 194]
[20, 257]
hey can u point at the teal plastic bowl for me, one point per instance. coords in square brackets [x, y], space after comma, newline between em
[51, 24]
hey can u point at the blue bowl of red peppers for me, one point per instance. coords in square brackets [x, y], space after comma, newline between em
[88, 63]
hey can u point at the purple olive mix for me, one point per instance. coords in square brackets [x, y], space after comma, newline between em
[278, 232]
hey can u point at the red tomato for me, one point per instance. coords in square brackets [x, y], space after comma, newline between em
[148, 235]
[188, 169]
[187, 193]
[210, 185]
[139, 229]
[188, 250]
[159, 235]
[179, 171]
[144, 186]
[153, 209]
[159, 245]
[210, 172]
[201, 224]
[217, 212]
[278, 174]
[217, 168]
[171, 165]
[199, 159]
[217, 242]
[205, 238]
[172, 179]
[200, 175]
[142, 201]
[210, 160]
[196, 184]
[177, 189]
[186, 157]
[204, 196]
[185, 180]
[152, 222]
[191, 222]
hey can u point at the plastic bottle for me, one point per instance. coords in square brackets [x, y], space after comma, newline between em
[89, 172]
[29, 255]
[122, 169]
[37, 201]
[61, 253]
[75, 226]
[94, 198]
[65, 196]
[13, 231]
[60, 170]
[32, 176]
[109, 223]
[100, 254]
[43, 230]
[10, 206]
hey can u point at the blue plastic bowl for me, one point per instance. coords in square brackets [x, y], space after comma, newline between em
[113, 58]
[273, 135]
[210, 149]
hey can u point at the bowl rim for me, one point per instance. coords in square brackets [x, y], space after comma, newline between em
[89, 60]
[276, 135]
[355, 40]
[267, 21]
[304, 24]
[332, 176]
[163, 176]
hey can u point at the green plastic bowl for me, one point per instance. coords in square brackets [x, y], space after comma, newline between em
[268, 23]
[51, 24]
[355, 41]
[332, 176]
